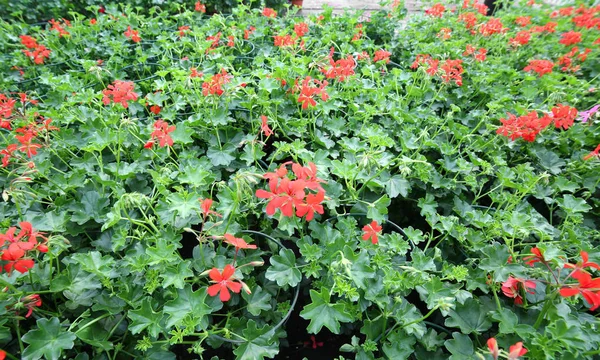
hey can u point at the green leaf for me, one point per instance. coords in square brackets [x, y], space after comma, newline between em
[379, 209]
[359, 269]
[145, 318]
[283, 269]
[48, 340]
[321, 313]
[397, 185]
[223, 155]
[176, 275]
[572, 204]
[470, 317]
[93, 262]
[261, 343]
[258, 301]
[399, 345]
[461, 347]
[190, 304]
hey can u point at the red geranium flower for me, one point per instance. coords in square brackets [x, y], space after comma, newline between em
[205, 205]
[594, 153]
[132, 34]
[563, 116]
[522, 38]
[588, 288]
[264, 127]
[492, 26]
[512, 288]
[31, 302]
[570, 38]
[526, 126]
[371, 231]
[523, 20]
[312, 205]
[541, 67]
[382, 55]
[155, 109]
[536, 257]
[239, 243]
[515, 351]
[270, 13]
[120, 92]
[301, 29]
[493, 346]
[581, 265]
[223, 283]
[436, 10]
[161, 133]
[199, 7]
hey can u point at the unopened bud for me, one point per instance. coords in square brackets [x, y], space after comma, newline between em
[246, 288]
[256, 263]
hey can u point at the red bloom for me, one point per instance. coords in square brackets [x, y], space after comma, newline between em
[284, 40]
[359, 32]
[155, 109]
[452, 70]
[371, 231]
[223, 283]
[214, 39]
[522, 38]
[239, 243]
[382, 55]
[512, 288]
[526, 126]
[594, 153]
[584, 263]
[570, 38]
[200, 7]
[536, 257]
[445, 33]
[564, 116]
[120, 92]
[340, 69]
[8, 154]
[31, 302]
[205, 205]
[301, 29]
[2, 354]
[248, 32]
[264, 127]
[493, 346]
[93, 21]
[429, 61]
[481, 55]
[270, 13]
[312, 343]
[588, 288]
[214, 86]
[194, 73]
[310, 88]
[231, 41]
[312, 205]
[523, 20]
[161, 133]
[469, 18]
[436, 10]
[182, 30]
[492, 26]
[58, 27]
[28, 41]
[515, 351]
[541, 67]
[132, 34]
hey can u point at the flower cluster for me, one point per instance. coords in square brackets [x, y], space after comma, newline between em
[301, 29]
[224, 281]
[526, 126]
[479, 55]
[359, 32]
[570, 38]
[523, 20]
[132, 34]
[214, 86]
[567, 60]
[541, 67]
[294, 196]
[60, 27]
[119, 92]
[340, 69]
[587, 287]
[469, 19]
[436, 10]
[452, 71]
[161, 134]
[382, 55]
[491, 27]
[513, 286]
[309, 89]
[17, 249]
[520, 39]
[563, 116]
[371, 232]
[200, 7]
[270, 13]
[38, 53]
[426, 59]
[26, 144]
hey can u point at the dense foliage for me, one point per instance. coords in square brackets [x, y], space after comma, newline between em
[254, 185]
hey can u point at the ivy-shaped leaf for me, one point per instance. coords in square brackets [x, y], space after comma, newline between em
[257, 301]
[470, 317]
[48, 340]
[322, 313]
[188, 303]
[145, 318]
[261, 343]
[283, 269]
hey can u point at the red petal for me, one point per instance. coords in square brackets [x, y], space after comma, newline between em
[214, 289]
[215, 275]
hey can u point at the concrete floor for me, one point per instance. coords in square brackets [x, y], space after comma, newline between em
[316, 6]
